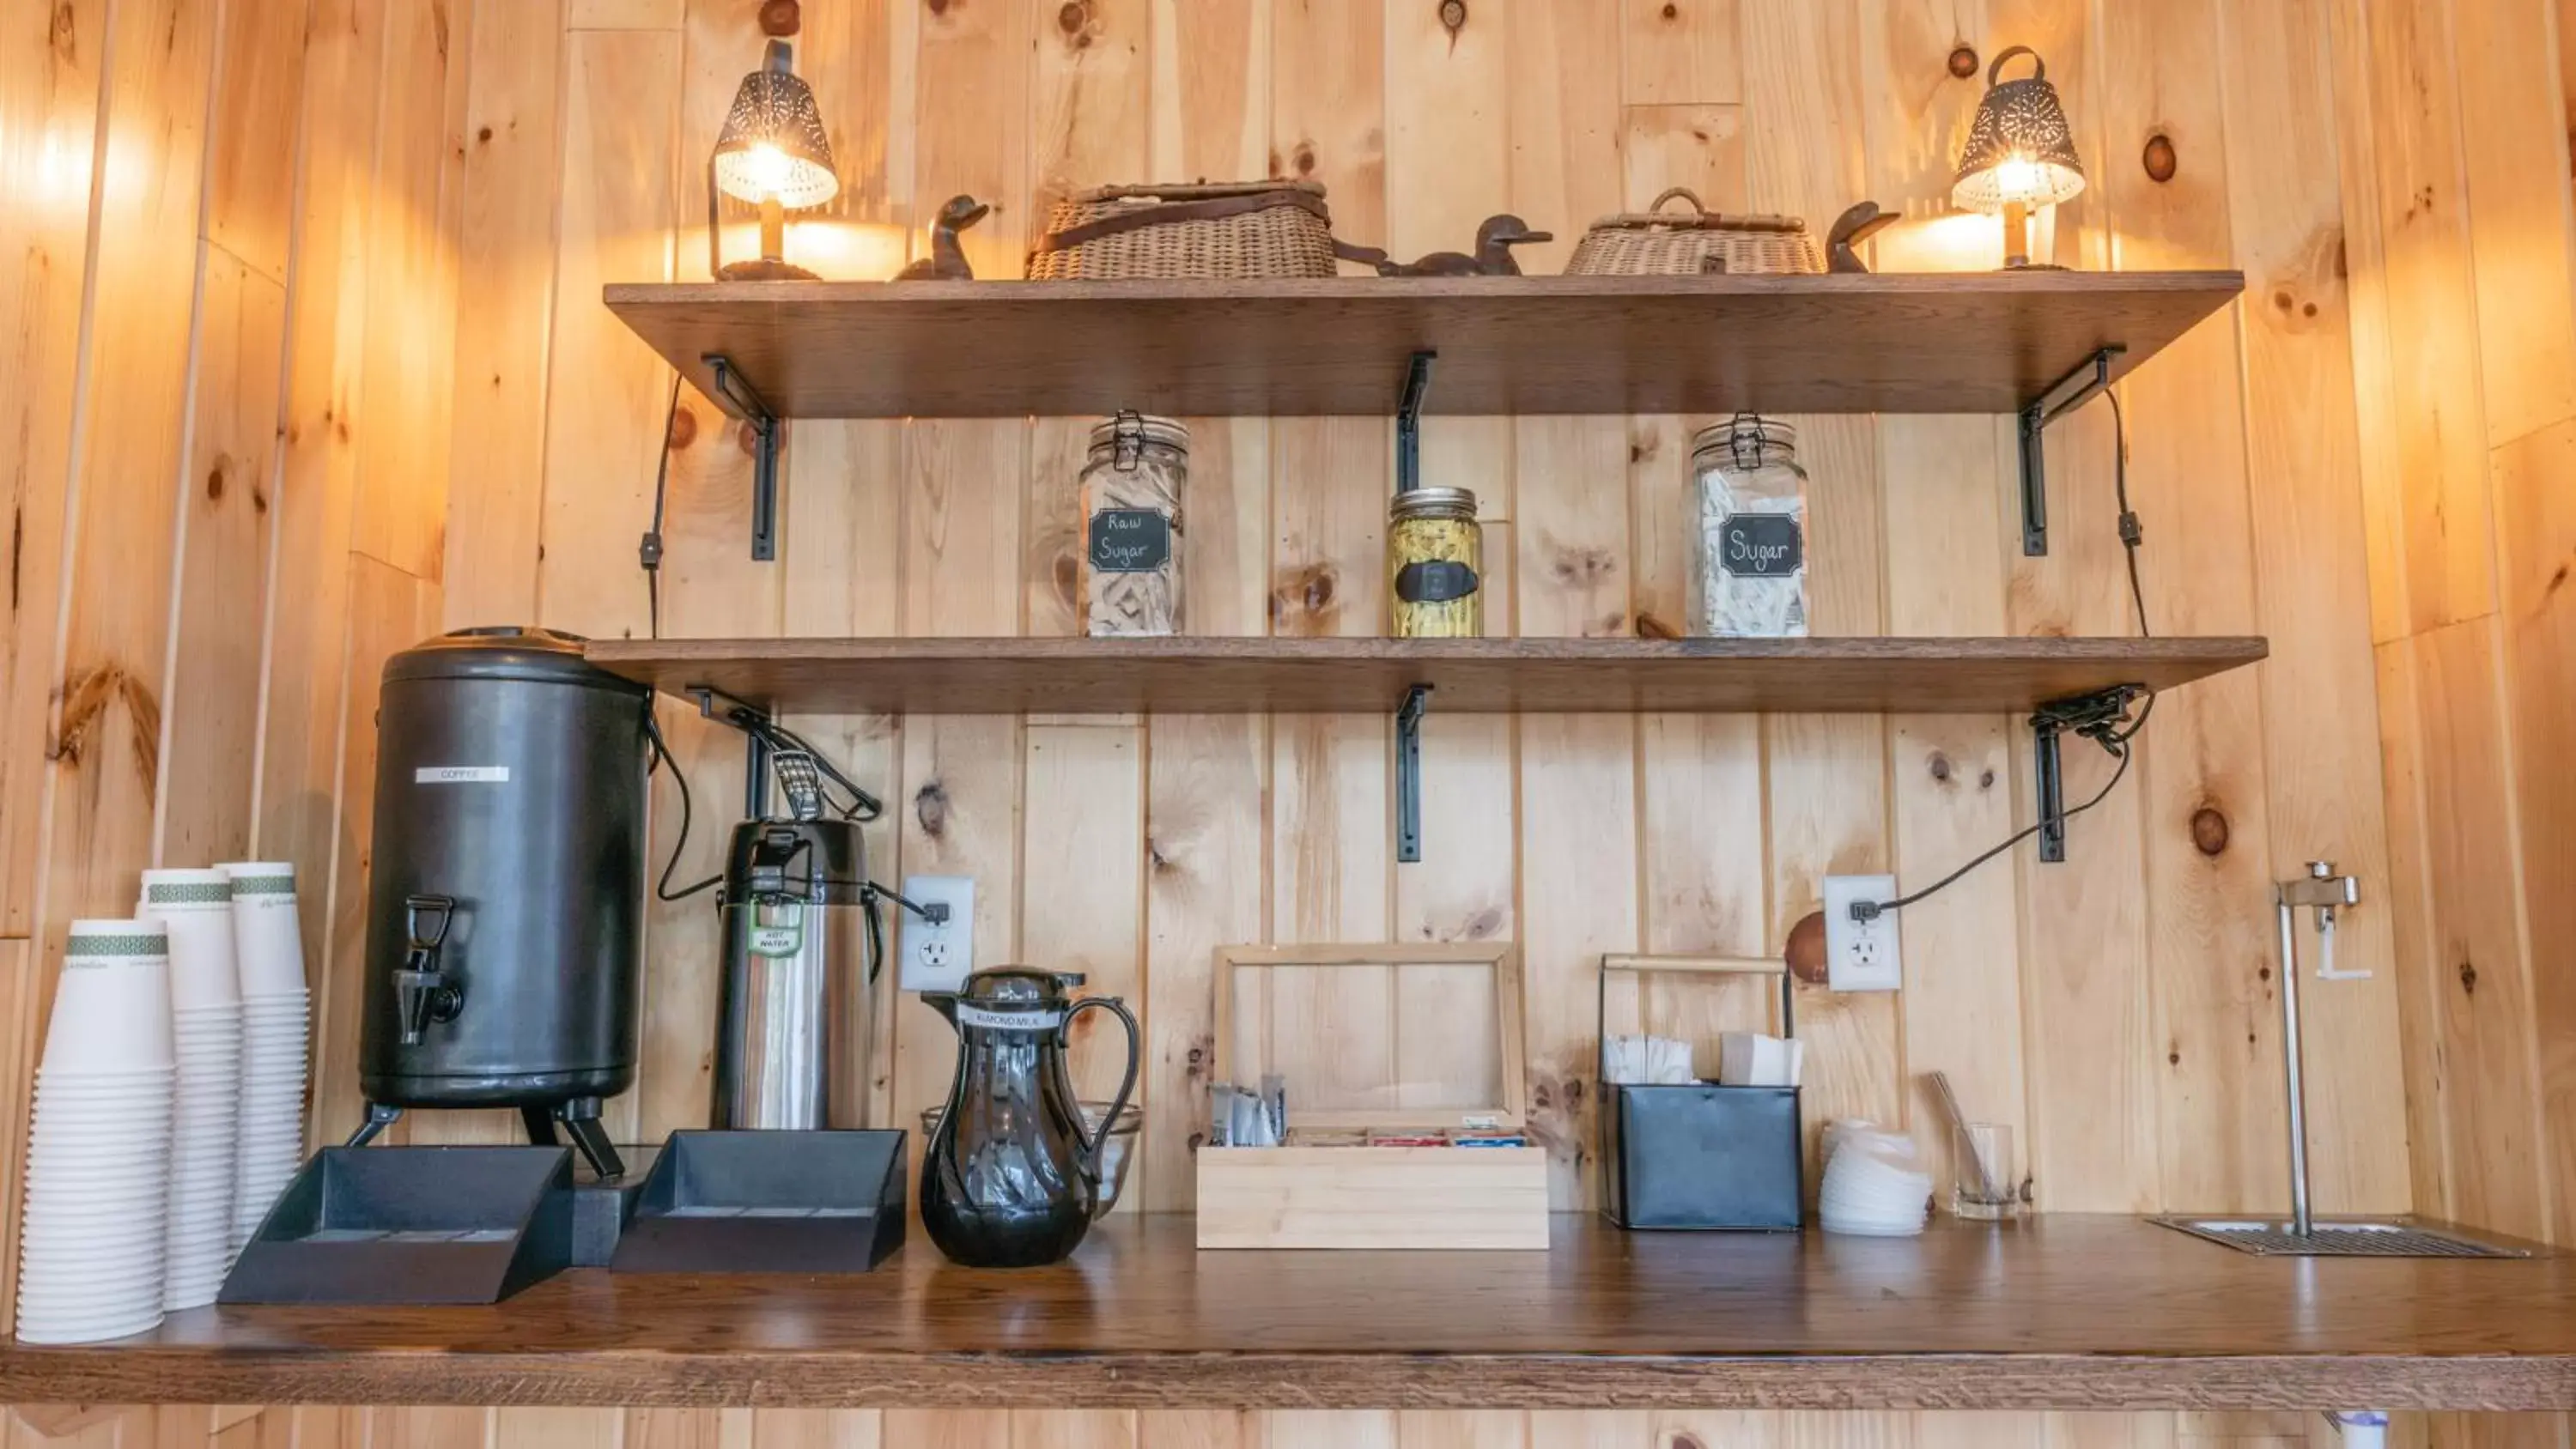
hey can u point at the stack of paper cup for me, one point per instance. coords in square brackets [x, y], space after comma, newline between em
[1873, 1185]
[195, 908]
[276, 1015]
[98, 1160]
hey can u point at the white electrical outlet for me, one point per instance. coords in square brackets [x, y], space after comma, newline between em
[938, 954]
[1861, 955]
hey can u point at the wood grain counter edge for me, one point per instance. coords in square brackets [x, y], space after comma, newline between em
[2071, 1382]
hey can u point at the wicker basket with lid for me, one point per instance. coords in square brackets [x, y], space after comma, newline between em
[1229, 229]
[1660, 243]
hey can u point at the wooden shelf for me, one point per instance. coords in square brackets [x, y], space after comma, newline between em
[1943, 343]
[1203, 675]
[2068, 1313]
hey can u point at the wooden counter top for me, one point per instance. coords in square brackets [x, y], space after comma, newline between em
[2062, 1313]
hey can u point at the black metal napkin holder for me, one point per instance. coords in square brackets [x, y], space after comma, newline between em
[768, 1202]
[416, 1225]
[1698, 1155]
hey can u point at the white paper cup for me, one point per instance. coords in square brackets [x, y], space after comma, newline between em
[112, 1005]
[267, 939]
[143, 1078]
[196, 907]
[44, 1331]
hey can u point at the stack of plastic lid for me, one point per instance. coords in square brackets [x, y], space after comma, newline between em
[276, 1020]
[98, 1158]
[1873, 1184]
[195, 908]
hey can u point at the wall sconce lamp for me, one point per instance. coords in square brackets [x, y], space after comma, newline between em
[2020, 154]
[773, 153]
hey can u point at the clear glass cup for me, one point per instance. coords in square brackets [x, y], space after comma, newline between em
[1988, 1187]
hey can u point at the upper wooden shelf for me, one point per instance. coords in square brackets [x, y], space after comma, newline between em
[2063, 1313]
[1906, 343]
[1208, 675]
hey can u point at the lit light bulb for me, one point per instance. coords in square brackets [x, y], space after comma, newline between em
[767, 168]
[2017, 178]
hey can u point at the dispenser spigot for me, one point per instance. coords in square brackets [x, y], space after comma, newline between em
[423, 991]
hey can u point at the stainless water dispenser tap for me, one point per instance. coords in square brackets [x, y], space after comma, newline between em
[2324, 892]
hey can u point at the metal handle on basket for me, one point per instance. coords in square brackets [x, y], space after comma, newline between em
[1692, 966]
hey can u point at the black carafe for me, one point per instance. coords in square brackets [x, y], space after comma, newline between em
[1010, 1177]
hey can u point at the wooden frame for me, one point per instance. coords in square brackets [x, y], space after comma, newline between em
[1509, 1113]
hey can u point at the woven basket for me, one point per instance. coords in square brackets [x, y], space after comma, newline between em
[1222, 229]
[1660, 243]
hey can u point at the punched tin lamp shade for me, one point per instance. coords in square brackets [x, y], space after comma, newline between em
[2020, 148]
[773, 144]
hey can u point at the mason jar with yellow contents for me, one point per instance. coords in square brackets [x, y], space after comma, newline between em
[1435, 559]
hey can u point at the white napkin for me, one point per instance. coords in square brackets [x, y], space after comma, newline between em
[1660, 1061]
[1750, 1059]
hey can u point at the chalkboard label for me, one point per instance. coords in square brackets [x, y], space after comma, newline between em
[1761, 546]
[1435, 582]
[1130, 540]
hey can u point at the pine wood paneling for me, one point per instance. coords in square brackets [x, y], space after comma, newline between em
[2382, 425]
[49, 97]
[211, 728]
[506, 248]
[2311, 577]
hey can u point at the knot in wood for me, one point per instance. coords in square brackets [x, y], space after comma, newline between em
[1940, 767]
[1453, 16]
[684, 428]
[2159, 158]
[780, 18]
[2209, 830]
[1963, 62]
[1805, 952]
[1650, 627]
[930, 808]
[2468, 978]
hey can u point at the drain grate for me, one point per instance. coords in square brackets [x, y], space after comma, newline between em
[2273, 1238]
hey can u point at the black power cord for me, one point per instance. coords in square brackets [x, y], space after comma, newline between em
[649, 553]
[2114, 732]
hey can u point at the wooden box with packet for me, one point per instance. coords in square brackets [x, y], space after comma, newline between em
[1405, 1087]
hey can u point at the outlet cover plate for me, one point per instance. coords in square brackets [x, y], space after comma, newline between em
[1861, 955]
[938, 957]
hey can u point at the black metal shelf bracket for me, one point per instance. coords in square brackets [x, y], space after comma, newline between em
[2093, 716]
[2064, 396]
[1408, 773]
[1408, 423]
[1408, 715]
[739, 398]
[743, 715]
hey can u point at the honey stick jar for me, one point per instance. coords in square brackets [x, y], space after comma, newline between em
[1435, 557]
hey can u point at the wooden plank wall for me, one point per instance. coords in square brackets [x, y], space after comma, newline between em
[228, 266]
[2463, 257]
[2367, 452]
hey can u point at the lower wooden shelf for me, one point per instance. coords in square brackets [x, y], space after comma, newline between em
[1207, 675]
[2065, 1313]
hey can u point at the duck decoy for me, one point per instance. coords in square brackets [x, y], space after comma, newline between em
[1494, 242]
[1852, 228]
[947, 260]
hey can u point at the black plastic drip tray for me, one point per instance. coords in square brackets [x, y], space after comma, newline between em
[412, 1235]
[768, 1202]
[709, 1210]
[412, 1225]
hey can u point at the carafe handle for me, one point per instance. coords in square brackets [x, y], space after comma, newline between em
[1097, 1145]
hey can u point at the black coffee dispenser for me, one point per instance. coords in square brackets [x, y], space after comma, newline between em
[505, 906]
